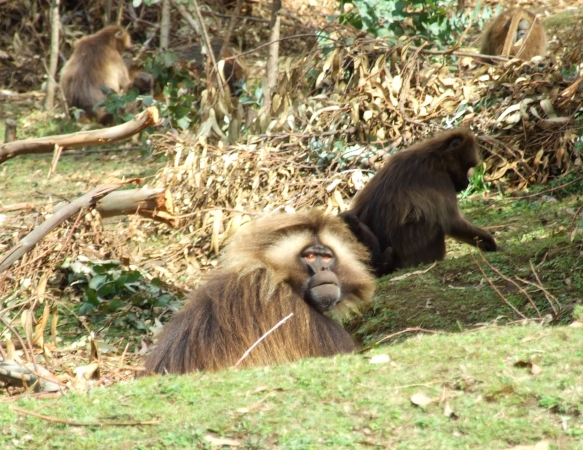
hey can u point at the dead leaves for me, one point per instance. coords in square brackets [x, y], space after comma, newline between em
[422, 400]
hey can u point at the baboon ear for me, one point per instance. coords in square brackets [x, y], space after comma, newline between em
[119, 34]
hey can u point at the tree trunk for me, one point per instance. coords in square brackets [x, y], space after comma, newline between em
[273, 57]
[54, 58]
[165, 25]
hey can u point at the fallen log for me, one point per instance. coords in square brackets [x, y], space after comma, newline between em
[148, 118]
[155, 204]
[30, 240]
[16, 207]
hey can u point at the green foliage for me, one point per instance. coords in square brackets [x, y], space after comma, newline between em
[108, 288]
[117, 104]
[429, 19]
[178, 89]
[477, 183]
[434, 20]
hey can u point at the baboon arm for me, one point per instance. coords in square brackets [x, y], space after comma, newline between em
[464, 231]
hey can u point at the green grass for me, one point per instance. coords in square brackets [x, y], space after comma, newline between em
[346, 402]
[342, 402]
[26, 178]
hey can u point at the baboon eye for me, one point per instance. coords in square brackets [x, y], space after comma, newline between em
[326, 257]
[310, 256]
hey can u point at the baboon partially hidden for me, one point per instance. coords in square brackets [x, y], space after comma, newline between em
[95, 66]
[304, 263]
[517, 33]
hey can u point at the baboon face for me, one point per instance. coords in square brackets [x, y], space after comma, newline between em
[322, 290]
[521, 30]
[122, 41]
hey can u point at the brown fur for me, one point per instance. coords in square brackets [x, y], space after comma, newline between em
[410, 205]
[97, 63]
[261, 281]
[516, 32]
[143, 82]
[233, 70]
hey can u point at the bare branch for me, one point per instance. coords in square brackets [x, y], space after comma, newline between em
[145, 119]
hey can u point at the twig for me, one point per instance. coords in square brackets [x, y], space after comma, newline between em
[540, 288]
[520, 288]
[286, 38]
[27, 351]
[415, 272]
[547, 293]
[405, 88]
[123, 355]
[496, 289]
[523, 197]
[84, 424]
[406, 330]
[471, 55]
[232, 23]
[277, 325]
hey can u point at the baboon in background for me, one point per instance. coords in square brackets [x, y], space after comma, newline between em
[304, 263]
[516, 32]
[233, 70]
[96, 64]
[382, 260]
[410, 205]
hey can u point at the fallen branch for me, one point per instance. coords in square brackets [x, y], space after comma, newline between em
[16, 207]
[155, 204]
[145, 119]
[30, 240]
[84, 424]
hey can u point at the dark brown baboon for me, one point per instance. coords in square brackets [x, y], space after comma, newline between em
[410, 205]
[516, 32]
[233, 70]
[382, 260]
[305, 264]
[95, 66]
[143, 82]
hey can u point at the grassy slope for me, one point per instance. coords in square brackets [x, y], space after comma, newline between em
[345, 402]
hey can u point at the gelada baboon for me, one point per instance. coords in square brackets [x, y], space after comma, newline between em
[410, 205]
[233, 70]
[304, 263]
[516, 32]
[95, 66]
